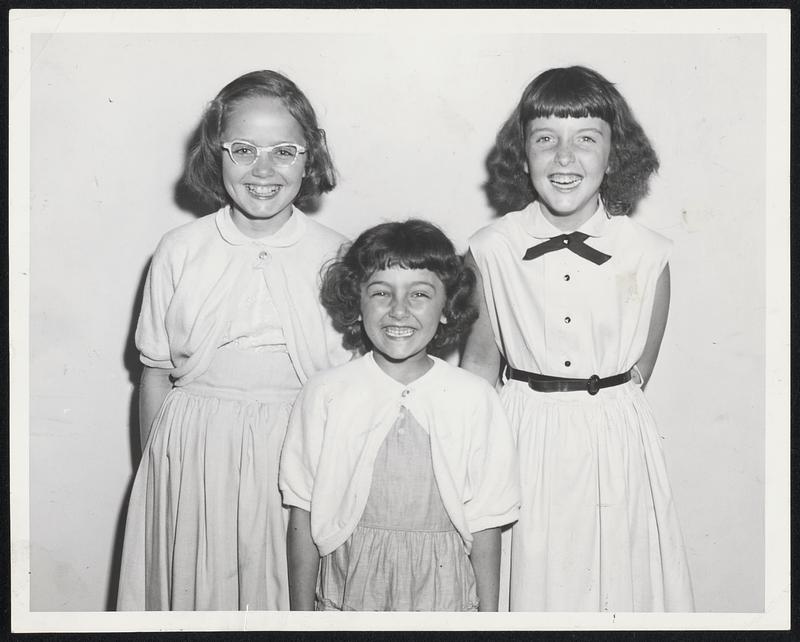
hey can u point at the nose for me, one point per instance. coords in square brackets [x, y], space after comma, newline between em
[564, 153]
[263, 166]
[398, 309]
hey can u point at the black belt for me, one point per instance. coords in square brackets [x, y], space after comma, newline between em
[546, 383]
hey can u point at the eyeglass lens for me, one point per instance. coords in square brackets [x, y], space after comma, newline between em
[245, 154]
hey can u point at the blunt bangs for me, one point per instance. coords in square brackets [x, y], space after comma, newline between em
[405, 245]
[572, 92]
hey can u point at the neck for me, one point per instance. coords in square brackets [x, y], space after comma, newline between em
[259, 227]
[570, 221]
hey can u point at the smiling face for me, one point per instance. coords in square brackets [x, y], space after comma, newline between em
[567, 159]
[262, 193]
[401, 310]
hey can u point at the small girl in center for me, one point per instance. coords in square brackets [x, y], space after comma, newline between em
[399, 469]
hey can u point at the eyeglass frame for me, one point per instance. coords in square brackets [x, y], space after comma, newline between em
[267, 149]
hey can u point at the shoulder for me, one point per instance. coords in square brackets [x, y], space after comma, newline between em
[338, 377]
[321, 235]
[638, 235]
[188, 235]
[503, 230]
[456, 380]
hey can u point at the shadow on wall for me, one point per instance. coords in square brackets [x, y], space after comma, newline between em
[191, 200]
[130, 358]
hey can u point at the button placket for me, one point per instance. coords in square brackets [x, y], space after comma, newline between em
[404, 409]
[561, 319]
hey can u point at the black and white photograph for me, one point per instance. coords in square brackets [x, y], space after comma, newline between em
[403, 313]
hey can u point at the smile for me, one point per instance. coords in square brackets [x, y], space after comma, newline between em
[262, 191]
[399, 332]
[565, 182]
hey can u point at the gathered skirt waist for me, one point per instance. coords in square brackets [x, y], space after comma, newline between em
[247, 374]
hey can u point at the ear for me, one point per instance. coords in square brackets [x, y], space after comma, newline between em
[443, 319]
[525, 166]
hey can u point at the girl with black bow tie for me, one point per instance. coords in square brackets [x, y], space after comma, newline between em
[574, 300]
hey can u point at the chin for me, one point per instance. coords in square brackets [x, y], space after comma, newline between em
[399, 353]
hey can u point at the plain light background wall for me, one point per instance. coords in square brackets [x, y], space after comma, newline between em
[409, 124]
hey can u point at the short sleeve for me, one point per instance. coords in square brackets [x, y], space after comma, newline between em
[493, 469]
[152, 339]
[302, 447]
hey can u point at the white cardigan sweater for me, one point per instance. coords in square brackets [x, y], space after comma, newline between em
[341, 419]
[194, 289]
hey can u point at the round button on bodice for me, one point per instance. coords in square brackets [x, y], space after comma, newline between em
[568, 363]
[567, 319]
[566, 277]
[263, 254]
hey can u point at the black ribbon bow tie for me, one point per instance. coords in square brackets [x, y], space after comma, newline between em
[573, 242]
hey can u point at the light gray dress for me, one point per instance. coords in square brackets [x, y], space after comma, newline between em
[405, 554]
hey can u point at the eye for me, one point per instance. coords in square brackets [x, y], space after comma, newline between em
[420, 294]
[544, 141]
[285, 151]
[378, 293]
[586, 139]
[243, 150]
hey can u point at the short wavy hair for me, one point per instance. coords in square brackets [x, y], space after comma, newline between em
[576, 92]
[414, 245]
[203, 174]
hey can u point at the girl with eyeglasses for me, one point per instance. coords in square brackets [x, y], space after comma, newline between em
[574, 299]
[230, 328]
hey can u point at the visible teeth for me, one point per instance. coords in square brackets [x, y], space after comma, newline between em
[399, 332]
[565, 180]
[263, 190]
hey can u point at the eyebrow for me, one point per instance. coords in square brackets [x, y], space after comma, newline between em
[413, 283]
[280, 142]
[551, 129]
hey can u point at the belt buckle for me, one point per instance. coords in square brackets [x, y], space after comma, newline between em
[593, 384]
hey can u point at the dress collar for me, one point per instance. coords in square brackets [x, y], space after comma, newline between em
[289, 233]
[539, 227]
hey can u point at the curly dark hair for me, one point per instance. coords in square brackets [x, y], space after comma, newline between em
[576, 92]
[414, 245]
[203, 174]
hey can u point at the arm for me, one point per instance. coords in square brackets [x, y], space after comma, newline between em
[300, 455]
[485, 558]
[154, 384]
[303, 561]
[481, 355]
[658, 323]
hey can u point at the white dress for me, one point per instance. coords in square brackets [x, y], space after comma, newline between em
[598, 529]
[238, 324]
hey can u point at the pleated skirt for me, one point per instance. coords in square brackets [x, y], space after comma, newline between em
[598, 529]
[205, 528]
